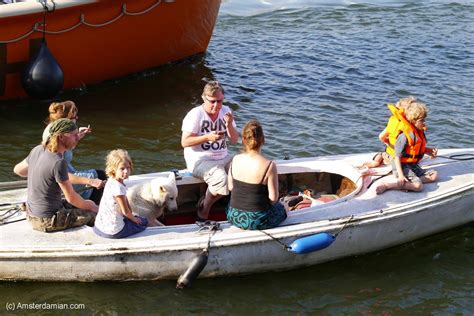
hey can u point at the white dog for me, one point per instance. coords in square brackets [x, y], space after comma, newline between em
[149, 199]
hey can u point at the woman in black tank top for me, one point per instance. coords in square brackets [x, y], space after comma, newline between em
[253, 182]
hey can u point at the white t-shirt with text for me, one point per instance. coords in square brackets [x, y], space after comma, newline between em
[198, 122]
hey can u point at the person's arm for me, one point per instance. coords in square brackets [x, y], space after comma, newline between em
[398, 166]
[272, 183]
[75, 199]
[83, 131]
[230, 180]
[400, 145]
[21, 168]
[383, 136]
[231, 130]
[125, 208]
[190, 139]
[96, 183]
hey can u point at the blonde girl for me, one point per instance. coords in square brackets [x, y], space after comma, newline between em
[115, 218]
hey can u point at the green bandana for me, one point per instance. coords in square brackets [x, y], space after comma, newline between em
[62, 126]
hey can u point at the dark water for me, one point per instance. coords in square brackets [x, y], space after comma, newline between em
[317, 74]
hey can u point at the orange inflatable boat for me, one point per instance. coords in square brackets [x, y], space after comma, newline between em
[93, 41]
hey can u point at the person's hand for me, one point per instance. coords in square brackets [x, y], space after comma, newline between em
[432, 152]
[214, 136]
[83, 131]
[136, 220]
[92, 206]
[402, 179]
[228, 118]
[96, 183]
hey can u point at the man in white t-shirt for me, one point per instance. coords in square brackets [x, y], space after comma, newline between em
[204, 139]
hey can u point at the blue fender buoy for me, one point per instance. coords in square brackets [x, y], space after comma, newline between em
[311, 243]
[43, 78]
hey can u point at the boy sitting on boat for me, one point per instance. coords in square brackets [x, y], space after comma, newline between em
[47, 174]
[409, 147]
[390, 132]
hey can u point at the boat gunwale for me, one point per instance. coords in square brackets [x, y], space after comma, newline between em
[26, 8]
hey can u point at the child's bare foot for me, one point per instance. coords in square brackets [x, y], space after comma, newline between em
[381, 188]
[371, 164]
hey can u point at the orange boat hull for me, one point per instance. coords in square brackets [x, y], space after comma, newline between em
[168, 31]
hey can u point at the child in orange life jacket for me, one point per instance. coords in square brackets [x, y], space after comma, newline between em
[409, 148]
[384, 157]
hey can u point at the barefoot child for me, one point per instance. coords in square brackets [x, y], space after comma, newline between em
[398, 111]
[409, 148]
[115, 218]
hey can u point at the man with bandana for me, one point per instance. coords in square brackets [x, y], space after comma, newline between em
[48, 177]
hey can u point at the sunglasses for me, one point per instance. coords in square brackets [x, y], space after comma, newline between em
[217, 101]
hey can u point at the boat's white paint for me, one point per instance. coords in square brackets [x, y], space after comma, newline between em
[31, 7]
[370, 223]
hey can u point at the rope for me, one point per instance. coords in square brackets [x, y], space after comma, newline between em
[20, 37]
[378, 178]
[10, 212]
[459, 157]
[37, 29]
[210, 226]
[285, 246]
[344, 226]
[44, 3]
[82, 21]
[141, 12]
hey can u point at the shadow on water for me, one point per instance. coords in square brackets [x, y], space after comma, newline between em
[393, 281]
[141, 113]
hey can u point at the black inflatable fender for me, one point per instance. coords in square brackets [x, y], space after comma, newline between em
[43, 77]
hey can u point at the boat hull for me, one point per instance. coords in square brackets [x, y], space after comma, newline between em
[362, 221]
[109, 42]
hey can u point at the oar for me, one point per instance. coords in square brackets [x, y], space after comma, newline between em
[13, 185]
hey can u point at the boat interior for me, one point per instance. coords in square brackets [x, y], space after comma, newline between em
[297, 191]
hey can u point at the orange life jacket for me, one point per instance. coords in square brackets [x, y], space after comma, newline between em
[414, 153]
[397, 124]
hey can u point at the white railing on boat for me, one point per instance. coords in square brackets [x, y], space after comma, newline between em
[30, 7]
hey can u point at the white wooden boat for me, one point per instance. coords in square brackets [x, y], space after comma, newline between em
[363, 222]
